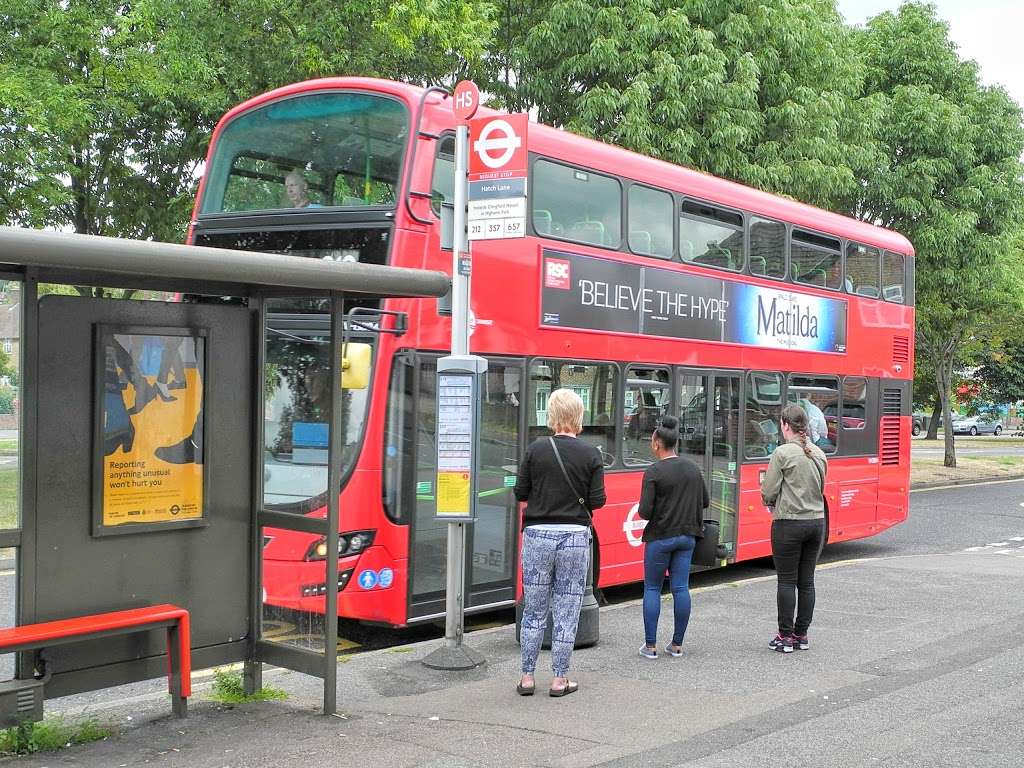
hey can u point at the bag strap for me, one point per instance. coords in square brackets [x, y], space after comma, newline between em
[821, 475]
[561, 465]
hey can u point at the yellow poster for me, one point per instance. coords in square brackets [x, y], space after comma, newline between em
[452, 493]
[152, 428]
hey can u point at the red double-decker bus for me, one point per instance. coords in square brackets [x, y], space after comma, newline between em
[645, 287]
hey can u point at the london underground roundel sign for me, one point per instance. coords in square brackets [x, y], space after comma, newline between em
[466, 99]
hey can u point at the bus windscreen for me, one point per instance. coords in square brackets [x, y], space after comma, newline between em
[319, 150]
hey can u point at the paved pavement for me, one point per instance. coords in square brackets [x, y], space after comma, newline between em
[915, 661]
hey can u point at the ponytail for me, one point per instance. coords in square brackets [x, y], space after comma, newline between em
[795, 418]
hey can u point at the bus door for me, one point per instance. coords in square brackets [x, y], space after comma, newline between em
[709, 418]
[492, 540]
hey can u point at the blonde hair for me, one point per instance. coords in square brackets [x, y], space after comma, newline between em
[565, 412]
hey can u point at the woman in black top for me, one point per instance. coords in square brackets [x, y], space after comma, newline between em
[672, 501]
[556, 537]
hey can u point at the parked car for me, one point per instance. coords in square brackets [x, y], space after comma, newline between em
[918, 426]
[977, 425]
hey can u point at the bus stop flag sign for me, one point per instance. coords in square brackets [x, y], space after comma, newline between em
[466, 99]
[497, 177]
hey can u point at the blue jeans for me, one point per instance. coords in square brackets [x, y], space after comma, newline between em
[673, 555]
[554, 577]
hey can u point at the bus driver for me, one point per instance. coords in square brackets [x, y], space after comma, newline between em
[297, 189]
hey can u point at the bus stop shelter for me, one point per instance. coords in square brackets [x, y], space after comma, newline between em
[92, 535]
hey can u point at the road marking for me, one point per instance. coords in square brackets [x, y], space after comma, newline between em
[10, 572]
[967, 485]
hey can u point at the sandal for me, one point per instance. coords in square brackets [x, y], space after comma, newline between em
[569, 687]
[525, 690]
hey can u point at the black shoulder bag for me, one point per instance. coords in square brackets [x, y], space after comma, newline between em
[579, 498]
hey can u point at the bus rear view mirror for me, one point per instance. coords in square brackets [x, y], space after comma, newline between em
[355, 365]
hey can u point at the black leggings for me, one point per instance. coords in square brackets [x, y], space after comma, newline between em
[796, 545]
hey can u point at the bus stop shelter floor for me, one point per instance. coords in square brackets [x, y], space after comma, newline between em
[914, 661]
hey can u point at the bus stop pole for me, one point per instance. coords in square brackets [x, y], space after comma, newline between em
[454, 654]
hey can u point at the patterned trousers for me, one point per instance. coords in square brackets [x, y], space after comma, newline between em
[554, 577]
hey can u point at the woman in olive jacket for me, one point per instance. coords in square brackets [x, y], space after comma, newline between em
[794, 489]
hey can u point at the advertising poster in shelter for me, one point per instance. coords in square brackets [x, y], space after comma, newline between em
[150, 428]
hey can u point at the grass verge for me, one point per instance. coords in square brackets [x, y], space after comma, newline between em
[930, 469]
[50, 735]
[9, 498]
[8, 447]
[228, 688]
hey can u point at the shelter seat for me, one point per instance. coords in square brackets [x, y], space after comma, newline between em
[63, 631]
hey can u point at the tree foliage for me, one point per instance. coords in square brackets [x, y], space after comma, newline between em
[106, 106]
[760, 91]
[947, 174]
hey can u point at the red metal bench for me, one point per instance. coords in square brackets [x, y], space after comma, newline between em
[179, 653]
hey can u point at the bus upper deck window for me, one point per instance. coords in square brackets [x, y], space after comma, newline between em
[862, 269]
[893, 277]
[767, 248]
[815, 260]
[710, 236]
[650, 222]
[318, 150]
[577, 205]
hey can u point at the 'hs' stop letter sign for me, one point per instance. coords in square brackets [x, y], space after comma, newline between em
[466, 99]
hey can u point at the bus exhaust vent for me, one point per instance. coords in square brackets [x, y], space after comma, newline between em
[891, 404]
[901, 350]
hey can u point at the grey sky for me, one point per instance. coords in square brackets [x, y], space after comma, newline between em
[988, 31]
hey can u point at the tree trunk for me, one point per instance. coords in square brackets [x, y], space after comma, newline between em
[943, 377]
[933, 424]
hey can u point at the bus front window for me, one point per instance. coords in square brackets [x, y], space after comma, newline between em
[319, 150]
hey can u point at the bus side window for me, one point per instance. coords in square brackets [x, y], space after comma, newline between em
[597, 386]
[862, 270]
[577, 205]
[714, 235]
[815, 260]
[893, 277]
[764, 409]
[767, 248]
[442, 185]
[650, 222]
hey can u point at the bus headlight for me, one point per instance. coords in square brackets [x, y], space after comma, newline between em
[348, 544]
